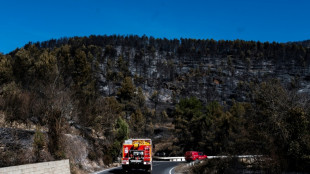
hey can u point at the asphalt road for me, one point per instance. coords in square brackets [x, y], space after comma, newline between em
[159, 167]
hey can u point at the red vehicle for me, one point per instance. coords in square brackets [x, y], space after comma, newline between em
[194, 155]
[137, 154]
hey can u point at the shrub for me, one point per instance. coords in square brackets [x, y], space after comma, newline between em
[229, 165]
[38, 141]
[92, 155]
[107, 159]
[38, 144]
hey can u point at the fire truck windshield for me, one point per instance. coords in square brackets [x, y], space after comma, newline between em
[137, 153]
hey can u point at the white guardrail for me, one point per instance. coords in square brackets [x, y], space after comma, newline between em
[242, 157]
[169, 158]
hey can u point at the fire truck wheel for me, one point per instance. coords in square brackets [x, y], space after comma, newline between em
[126, 169]
[149, 170]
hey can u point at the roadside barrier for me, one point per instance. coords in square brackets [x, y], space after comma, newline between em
[241, 157]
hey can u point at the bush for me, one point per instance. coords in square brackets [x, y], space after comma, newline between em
[107, 159]
[231, 166]
[38, 144]
[92, 155]
[38, 141]
[235, 166]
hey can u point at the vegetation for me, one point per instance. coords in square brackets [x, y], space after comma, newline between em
[38, 143]
[220, 95]
[276, 125]
[232, 165]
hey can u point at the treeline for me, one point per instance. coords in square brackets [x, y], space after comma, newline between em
[195, 48]
[305, 43]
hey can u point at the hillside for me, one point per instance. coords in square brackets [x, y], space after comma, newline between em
[220, 97]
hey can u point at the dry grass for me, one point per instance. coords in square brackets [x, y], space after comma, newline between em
[2, 119]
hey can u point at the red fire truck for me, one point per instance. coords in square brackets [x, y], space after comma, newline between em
[137, 154]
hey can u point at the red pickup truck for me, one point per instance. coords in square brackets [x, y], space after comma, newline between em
[194, 155]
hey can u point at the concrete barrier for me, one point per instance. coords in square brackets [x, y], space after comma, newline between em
[52, 167]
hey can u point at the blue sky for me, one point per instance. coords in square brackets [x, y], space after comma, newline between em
[264, 20]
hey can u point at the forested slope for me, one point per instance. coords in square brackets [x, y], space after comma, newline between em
[220, 97]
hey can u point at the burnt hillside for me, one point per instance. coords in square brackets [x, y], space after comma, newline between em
[220, 97]
[208, 69]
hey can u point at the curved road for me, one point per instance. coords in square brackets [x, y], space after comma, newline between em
[159, 167]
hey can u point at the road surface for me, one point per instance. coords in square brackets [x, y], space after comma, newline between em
[159, 167]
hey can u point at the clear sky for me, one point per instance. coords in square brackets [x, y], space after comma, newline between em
[264, 20]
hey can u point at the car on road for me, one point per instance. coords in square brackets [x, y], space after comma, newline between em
[194, 155]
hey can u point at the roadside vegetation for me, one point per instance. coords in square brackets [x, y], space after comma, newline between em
[275, 124]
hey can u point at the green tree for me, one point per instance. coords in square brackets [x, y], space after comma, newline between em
[82, 67]
[216, 134]
[240, 135]
[23, 66]
[140, 98]
[281, 124]
[155, 99]
[110, 51]
[6, 69]
[84, 86]
[121, 134]
[46, 67]
[127, 91]
[122, 66]
[107, 110]
[137, 123]
[65, 63]
[126, 95]
[187, 113]
[122, 130]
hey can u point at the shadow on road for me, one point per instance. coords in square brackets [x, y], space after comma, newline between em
[119, 171]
